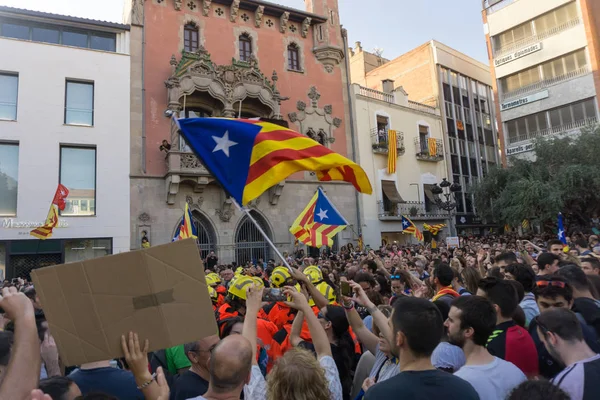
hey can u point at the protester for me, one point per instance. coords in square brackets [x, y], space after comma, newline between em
[526, 277]
[538, 390]
[547, 264]
[417, 329]
[442, 280]
[194, 382]
[60, 388]
[584, 302]
[591, 266]
[470, 322]
[560, 331]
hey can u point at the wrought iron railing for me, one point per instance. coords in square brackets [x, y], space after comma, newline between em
[380, 141]
[545, 83]
[555, 130]
[412, 209]
[427, 150]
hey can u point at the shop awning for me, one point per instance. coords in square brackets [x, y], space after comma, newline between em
[389, 188]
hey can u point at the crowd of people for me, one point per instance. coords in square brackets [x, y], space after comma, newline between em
[499, 317]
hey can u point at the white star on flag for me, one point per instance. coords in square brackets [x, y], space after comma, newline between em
[223, 143]
[322, 214]
[560, 233]
[405, 223]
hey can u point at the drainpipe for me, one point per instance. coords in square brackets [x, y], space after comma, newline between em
[352, 127]
[144, 92]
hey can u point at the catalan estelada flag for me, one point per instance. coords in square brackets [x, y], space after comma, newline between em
[434, 229]
[319, 222]
[58, 203]
[409, 227]
[432, 144]
[186, 228]
[392, 151]
[247, 157]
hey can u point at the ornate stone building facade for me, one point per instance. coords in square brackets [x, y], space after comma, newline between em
[225, 58]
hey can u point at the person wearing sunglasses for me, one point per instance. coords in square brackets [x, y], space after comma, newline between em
[561, 334]
[554, 293]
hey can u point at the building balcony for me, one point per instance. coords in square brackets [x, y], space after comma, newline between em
[545, 83]
[511, 47]
[567, 129]
[380, 141]
[429, 149]
[395, 98]
[415, 210]
[185, 167]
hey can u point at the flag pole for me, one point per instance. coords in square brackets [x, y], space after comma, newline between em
[263, 233]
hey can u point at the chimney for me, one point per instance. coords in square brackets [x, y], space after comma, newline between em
[358, 47]
[388, 86]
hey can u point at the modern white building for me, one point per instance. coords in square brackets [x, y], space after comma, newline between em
[545, 58]
[64, 118]
[419, 163]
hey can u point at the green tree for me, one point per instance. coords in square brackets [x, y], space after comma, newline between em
[565, 177]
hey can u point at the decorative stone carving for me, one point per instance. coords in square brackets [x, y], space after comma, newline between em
[191, 5]
[137, 12]
[178, 5]
[283, 22]
[190, 201]
[315, 122]
[206, 7]
[190, 161]
[144, 217]
[235, 8]
[258, 16]
[270, 23]
[254, 203]
[293, 28]
[329, 56]
[226, 211]
[245, 17]
[219, 11]
[306, 26]
[275, 193]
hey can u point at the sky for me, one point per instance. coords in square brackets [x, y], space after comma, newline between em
[396, 26]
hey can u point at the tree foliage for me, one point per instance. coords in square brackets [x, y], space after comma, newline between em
[565, 177]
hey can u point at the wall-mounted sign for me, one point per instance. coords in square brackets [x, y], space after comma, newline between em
[518, 54]
[11, 223]
[519, 149]
[524, 100]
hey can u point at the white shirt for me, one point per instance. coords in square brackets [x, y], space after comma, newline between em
[493, 381]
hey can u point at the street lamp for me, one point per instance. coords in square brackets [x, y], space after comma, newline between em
[449, 191]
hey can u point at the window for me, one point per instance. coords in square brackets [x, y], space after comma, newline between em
[294, 57]
[245, 47]
[56, 34]
[9, 178]
[79, 103]
[9, 88]
[190, 113]
[190, 37]
[78, 174]
[86, 249]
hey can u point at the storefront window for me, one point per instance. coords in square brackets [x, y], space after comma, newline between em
[86, 249]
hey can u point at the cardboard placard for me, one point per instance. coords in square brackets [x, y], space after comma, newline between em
[159, 292]
[452, 242]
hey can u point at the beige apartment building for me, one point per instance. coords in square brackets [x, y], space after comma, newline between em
[440, 77]
[545, 58]
[418, 167]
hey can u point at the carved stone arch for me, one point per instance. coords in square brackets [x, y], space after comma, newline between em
[249, 243]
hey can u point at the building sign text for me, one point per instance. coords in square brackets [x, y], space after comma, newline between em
[11, 223]
[518, 54]
[519, 149]
[524, 100]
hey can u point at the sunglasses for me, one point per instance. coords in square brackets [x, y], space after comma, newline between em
[559, 284]
[321, 316]
[396, 277]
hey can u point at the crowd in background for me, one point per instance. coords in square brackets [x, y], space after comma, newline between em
[499, 317]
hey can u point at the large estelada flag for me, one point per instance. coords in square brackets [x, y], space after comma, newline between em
[58, 203]
[409, 227]
[247, 157]
[319, 222]
[186, 228]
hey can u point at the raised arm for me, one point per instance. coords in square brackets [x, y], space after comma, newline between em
[23, 373]
[378, 318]
[318, 298]
[318, 334]
[366, 337]
[253, 303]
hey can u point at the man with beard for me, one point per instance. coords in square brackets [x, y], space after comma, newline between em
[560, 331]
[470, 322]
[417, 328]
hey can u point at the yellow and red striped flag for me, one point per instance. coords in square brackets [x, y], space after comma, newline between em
[186, 228]
[392, 151]
[58, 203]
[247, 157]
[432, 144]
[434, 229]
[318, 223]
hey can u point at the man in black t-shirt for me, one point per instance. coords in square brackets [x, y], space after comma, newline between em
[417, 326]
[211, 260]
[194, 382]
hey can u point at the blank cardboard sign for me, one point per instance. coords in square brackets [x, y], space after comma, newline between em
[159, 292]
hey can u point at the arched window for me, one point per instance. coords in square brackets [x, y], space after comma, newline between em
[190, 37]
[245, 47]
[206, 235]
[249, 242]
[294, 57]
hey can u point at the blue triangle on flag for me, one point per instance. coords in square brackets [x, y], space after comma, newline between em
[326, 213]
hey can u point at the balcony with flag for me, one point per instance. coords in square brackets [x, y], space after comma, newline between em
[429, 149]
[380, 141]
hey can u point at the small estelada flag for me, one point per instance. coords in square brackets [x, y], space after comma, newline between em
[58, 203]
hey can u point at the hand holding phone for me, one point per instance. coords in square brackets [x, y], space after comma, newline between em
[273, 294]
[346, 289]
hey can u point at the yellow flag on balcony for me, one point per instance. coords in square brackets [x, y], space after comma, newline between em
[392, 151]
[432, 144]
